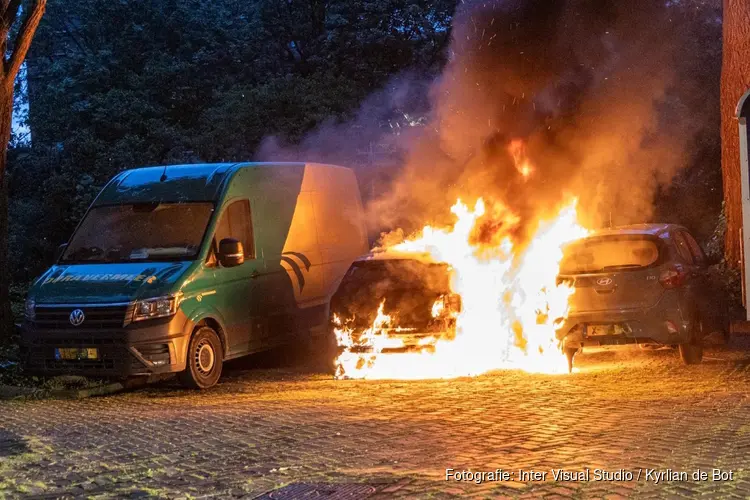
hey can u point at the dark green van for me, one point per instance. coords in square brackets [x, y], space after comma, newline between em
[179, 268]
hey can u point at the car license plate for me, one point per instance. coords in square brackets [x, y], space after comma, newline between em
[76, 353]
[599, 330]
[610, 329]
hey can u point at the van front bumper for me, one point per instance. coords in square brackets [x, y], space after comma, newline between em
[150, 347]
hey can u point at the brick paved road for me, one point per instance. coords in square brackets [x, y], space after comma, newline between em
[266, 429]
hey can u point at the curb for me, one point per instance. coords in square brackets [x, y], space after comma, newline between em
[8, 392]
[15, 392]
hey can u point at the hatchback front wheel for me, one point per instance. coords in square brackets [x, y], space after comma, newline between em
[570, 354]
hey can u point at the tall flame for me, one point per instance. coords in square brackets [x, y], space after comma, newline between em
[510, 302]
[510, 297]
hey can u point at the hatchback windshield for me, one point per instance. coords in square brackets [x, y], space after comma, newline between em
[609, 254]
[144, 231]
[398, 273]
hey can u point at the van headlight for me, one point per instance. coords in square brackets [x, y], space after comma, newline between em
[29, 309]
[160, 307]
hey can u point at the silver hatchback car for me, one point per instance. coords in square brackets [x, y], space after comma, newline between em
[643, 284]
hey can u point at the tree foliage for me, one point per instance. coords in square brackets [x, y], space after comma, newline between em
[119, 84]
[116, 84]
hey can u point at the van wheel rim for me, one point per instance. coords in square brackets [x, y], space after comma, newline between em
[205, 358]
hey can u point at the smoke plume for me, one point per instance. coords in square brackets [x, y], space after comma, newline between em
[578, 88]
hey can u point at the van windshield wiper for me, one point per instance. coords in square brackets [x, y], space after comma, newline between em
[85, 254]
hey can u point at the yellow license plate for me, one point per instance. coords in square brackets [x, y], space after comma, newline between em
[76, 353]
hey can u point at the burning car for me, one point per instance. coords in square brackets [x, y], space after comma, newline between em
[450, 302]
[391, 302]
[641, 284]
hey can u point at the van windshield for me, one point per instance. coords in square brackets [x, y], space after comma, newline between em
[612, 253]
[140, 232]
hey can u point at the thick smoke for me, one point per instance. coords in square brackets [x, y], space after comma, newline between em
[584, 83]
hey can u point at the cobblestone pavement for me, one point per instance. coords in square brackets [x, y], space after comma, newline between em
[266, 429]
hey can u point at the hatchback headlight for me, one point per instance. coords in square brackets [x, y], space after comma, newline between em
[160, 307]
[29, 309]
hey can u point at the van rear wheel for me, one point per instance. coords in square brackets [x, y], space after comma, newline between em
[322, 351]
[204, 360]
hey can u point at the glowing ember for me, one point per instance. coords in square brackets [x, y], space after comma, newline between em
[510, 301]
[437, 308]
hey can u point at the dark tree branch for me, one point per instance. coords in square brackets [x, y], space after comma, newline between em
[22, 41]
[75, 31]
[7, 18]
[65, 27]
[10, 11]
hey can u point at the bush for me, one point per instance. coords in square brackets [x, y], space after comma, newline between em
[724, 281]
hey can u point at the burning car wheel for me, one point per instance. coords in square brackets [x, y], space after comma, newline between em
[204, 360]
[570, 353]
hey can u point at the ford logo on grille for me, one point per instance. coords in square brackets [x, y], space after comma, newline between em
[77, 317]
[600, 282]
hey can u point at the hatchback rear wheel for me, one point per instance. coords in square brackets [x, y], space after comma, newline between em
[692, 352]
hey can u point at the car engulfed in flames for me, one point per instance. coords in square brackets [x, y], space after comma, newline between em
[392, 302]
[457, 301]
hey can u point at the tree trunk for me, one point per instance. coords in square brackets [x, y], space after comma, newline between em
[6, 114]
[735, 81]
[9, 67]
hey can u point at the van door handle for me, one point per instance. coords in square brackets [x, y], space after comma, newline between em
[255, 274]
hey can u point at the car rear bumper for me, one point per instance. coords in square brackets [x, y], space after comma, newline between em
[405, 343]
[666, 323]
[155, 347]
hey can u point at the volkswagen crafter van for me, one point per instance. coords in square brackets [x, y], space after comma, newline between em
[180, 268]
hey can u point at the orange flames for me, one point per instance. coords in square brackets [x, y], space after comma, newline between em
[510, 298]
[517, 150]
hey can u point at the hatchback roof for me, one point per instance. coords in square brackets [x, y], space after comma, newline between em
[655, 229]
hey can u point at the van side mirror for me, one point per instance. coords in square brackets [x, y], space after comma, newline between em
[60, 251]
[231, 252]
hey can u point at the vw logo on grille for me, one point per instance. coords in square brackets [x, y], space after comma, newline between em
[77, 317]
[600, 282]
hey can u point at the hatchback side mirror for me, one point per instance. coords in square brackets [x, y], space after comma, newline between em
[60, 251]
[454, 302]
[231, 252]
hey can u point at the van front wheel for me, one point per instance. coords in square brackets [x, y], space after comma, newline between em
[204, 360]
